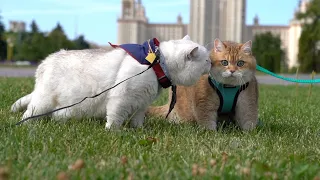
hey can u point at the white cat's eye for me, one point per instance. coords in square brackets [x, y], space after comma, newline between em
[224, 63]
[240, 63]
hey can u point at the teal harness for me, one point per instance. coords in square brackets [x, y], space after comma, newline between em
[228, 95]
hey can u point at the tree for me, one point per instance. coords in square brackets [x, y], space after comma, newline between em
[58, 28]
[81, 43]
[2, 28]
[34, 27]
[33, 47]
[309, 52]
[36, 45]
[58, 40]
[3, 42]
[267, 50]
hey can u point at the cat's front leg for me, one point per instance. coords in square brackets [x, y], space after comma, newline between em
[138, 118]
[246, 116]
[118, 110]
[207, 119]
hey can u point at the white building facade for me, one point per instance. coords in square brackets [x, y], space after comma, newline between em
[209, 19]
[133, 25]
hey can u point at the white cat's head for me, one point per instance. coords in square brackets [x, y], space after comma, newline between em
[186, 60]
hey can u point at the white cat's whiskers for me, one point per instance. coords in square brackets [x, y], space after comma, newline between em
[242, 85]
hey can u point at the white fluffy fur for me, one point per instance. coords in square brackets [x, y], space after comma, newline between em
[66, 77]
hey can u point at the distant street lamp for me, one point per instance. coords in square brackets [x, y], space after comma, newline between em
[318, 45]
[316, 55]
[9, 49]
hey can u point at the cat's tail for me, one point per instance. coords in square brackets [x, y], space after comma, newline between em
[22, 103]
[158, 111]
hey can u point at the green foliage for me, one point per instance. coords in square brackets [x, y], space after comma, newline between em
[286, 146]
[309, 54]
[58, 40]
[3, 42]
[34, 27]
[36, 45]
[33, 47]
[267, 50]
[81, 43]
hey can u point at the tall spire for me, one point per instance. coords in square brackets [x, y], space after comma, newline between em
[179, 19]
[256, 20]
[128, 8]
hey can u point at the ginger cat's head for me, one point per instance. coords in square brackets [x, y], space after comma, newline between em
[232, 63]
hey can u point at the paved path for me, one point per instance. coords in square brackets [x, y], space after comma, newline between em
[29, 72]
[17, 72]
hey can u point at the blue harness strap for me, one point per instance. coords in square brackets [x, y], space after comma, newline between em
[139, 51]
[228, 95]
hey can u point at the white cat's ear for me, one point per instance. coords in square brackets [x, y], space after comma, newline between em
[187, 37]
[218, 45]
[246, 47]
[193, 53]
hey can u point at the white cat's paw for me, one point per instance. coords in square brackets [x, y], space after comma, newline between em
[136, 122]
[108, 126]
[113, 126]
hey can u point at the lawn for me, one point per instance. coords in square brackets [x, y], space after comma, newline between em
[286, 146]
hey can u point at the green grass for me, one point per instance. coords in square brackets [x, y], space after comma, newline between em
[285, 147]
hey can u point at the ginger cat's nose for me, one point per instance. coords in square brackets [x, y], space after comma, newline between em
[232, 71]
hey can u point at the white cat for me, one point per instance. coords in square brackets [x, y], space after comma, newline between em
[66, 77]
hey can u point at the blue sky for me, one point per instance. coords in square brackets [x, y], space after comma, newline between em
[96, 19]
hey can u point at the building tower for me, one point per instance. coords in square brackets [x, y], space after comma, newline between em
[256, 20]
[132, 22]
[295, 30]
[204, 20]
[210, 19]
[233, 25]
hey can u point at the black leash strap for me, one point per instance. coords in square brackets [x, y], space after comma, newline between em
[50, 112]
[173, 99]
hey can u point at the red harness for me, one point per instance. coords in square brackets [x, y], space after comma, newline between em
[140, 51]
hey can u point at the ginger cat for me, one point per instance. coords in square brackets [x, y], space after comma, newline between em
[211, 99]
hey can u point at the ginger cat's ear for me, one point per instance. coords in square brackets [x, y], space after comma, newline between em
[218, 45]
[246, 47]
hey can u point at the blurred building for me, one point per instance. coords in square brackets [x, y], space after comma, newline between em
[279, 30]
[17, 26]
[289, 34]
[210, 19]
[295, 29]
[133, 25]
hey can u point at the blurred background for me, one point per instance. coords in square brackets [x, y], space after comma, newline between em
[285, 33]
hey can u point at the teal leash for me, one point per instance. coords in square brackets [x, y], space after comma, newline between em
[305, 81]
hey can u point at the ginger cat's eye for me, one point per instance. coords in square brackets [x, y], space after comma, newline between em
[224, 63]
[240, 63]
